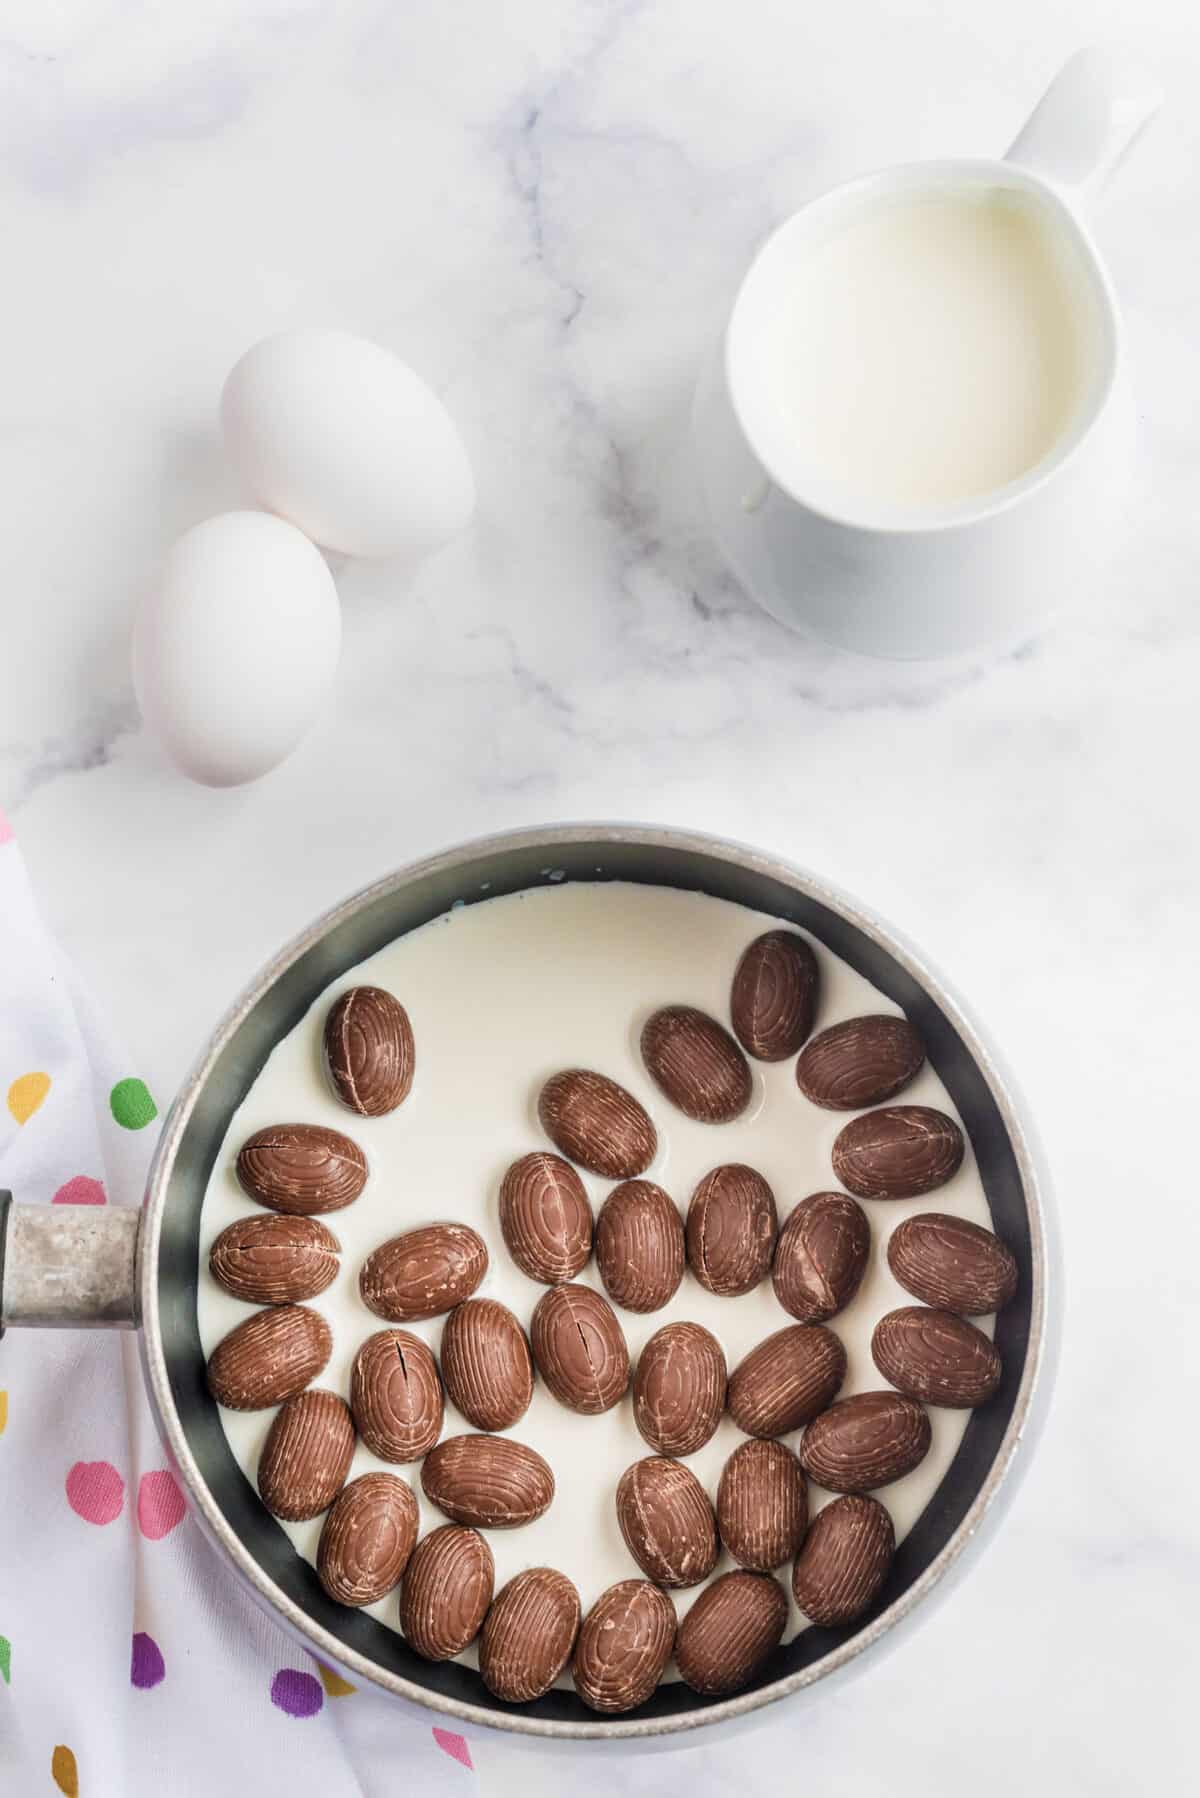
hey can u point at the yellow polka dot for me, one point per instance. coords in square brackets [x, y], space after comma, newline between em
[3, 1411]
[66, 1773]
[26, 1094]
[335, 1686]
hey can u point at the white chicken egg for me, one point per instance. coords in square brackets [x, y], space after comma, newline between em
[346, 441]
[236, 647]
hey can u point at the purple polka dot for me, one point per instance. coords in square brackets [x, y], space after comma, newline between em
[147, 1667]
[299, 1694]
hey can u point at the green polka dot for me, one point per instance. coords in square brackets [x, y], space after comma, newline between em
[5, 1660]
[132, 1105]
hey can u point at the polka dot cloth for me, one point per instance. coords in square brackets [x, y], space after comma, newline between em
[26, 1094]
[131, 1104]
[297, 1693]
[64, 1772]
[335, 1686]
[81, 1189]
[160, 1505]
[95, 1491]
[454, 1746]
[131, 1663]
[146, 1667]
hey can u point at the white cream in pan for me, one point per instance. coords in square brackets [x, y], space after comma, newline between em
[501, 995]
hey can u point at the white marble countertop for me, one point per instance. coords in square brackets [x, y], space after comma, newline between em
[545, 205]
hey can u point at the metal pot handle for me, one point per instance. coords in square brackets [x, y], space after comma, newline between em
[68, 1267]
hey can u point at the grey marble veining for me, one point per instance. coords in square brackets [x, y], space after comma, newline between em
[546, 207]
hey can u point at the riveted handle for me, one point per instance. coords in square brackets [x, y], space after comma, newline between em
[68, 1267]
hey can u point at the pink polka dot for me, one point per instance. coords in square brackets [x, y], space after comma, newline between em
[454, 1746]
[160, 1504]
[6, 829]
[81, 1189]
[95, 1491]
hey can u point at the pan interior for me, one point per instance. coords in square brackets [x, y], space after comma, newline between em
[360, 931]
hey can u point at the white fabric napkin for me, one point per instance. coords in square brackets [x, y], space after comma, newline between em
[131, 1664]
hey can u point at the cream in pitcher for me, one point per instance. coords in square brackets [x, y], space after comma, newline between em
[932, 348]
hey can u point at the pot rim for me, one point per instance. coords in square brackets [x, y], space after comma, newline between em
[1035, 1187]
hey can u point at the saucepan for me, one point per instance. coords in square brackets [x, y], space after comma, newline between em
[139, 1270]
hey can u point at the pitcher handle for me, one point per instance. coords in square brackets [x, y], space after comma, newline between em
[1087, 120]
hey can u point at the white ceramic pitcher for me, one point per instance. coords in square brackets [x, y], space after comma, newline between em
[988, 570]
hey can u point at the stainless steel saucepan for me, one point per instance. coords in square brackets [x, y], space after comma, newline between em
[139, 1270]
